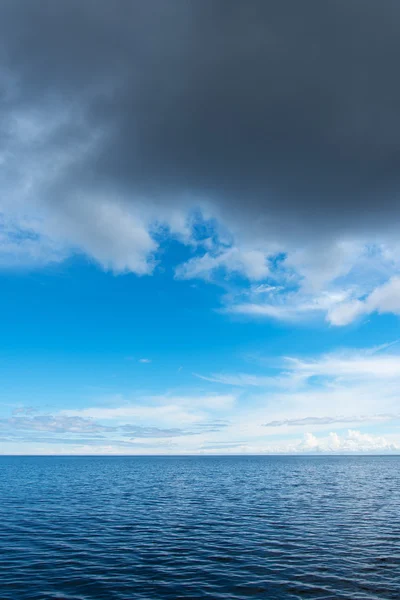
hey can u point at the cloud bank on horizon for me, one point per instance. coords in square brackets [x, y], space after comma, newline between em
[357, 388]
[262, 138]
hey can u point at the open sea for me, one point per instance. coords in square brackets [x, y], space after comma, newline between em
[148, 528]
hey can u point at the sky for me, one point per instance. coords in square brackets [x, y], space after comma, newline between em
[199, 218]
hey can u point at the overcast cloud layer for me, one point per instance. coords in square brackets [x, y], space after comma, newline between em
[280, 119]
[289, 109]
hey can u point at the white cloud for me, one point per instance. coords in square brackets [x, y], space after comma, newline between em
[284, 398]
[339, 283]
[145, 360]
[264, 288]
[352, 442]
[251, 263]
[166, 410]
[383, 299]
[357, 389]
[238, 379]
[386, 298]
[348, 365]
[292, 306]
[345, 313]
[264, 310]
[339, 306]
[352, 388]
[173, 413]
[351, 365]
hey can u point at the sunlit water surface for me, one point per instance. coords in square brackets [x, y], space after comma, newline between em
[80, 528]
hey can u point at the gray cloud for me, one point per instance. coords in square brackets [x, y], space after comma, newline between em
[232, 444]
[54, 424]
[60, 424]
[159, 432]
[152, 432]
[93, 441]
[283, 114]
[24, 410]
[332, 420]
[210, 426]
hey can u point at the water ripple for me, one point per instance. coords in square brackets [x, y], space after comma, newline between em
[89, 528]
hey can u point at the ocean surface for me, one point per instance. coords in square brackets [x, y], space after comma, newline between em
[148, 528]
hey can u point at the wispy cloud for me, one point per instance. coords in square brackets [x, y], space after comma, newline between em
[349, 364]
[53, 423]
[352, 387]
[306, 421]
[79, 432]
[240, 379]
[137, 431]
[24, 410]
[251, 263]
[351, 280]
[76, 424]
[183, 409]
[363, 364]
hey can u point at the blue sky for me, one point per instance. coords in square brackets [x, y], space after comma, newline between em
[100, 361]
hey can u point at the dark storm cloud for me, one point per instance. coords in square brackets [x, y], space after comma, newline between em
[285, 114]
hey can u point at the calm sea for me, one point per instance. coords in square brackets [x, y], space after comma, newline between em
[80, 528]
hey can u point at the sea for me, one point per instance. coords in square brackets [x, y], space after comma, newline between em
[196, 527]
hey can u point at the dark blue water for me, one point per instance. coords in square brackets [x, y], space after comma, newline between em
[81, 528]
